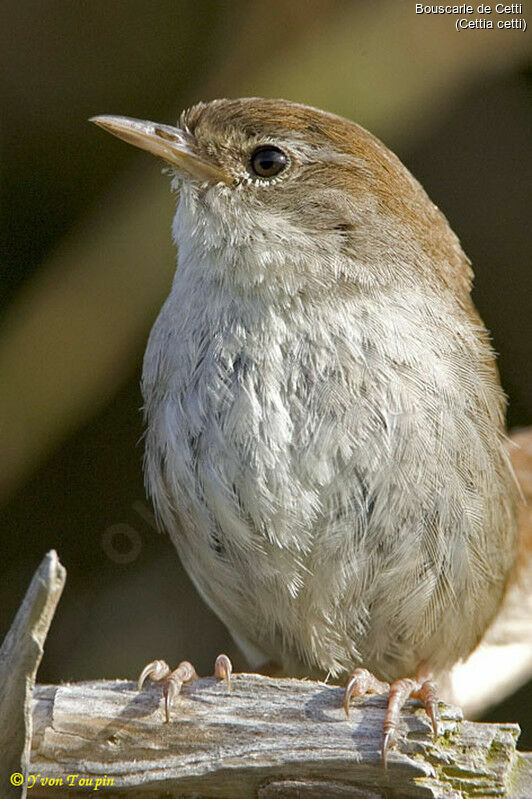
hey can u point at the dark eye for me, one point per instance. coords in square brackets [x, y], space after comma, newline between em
[267, 161]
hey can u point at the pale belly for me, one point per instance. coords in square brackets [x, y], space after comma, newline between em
[328, 495]
[317, 521]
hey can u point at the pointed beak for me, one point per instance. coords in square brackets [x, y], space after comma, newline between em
[173, 145]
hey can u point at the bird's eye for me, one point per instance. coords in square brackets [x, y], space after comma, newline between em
[267, 161]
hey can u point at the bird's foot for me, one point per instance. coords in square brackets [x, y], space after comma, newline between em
[362, 682]
[159, 670]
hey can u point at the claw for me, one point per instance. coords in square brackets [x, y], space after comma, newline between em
[432, 713]
[350, 689]
[156, 670]
[388, 740]
[362, 682]
[428, 695]
[172, 687]
[159, 670]
[223, 669]
[173, 683]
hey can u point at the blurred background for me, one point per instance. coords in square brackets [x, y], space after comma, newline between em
[88, 260]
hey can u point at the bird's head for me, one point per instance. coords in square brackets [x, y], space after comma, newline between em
[274, 192]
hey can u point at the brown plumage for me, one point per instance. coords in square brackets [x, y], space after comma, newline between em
[325, 437]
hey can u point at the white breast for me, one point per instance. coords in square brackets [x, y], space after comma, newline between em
[312, 463]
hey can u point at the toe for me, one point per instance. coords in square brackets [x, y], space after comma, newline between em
[156, 670]
[362, 682]
[428, 693]
[173, 683]
[223, 668]
[400, 690]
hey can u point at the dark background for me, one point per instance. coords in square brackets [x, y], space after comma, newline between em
[88, 259]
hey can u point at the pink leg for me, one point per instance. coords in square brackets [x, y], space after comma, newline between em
[428, 694]
[363, 682]
[159, 670]
[400, 691]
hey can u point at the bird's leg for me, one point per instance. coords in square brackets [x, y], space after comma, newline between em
[362, 682]
[400, 691]
[159, 670]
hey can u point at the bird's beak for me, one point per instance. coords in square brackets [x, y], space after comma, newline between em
[175, 146]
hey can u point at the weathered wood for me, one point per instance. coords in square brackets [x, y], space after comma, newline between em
[20, 656]
[266, 738]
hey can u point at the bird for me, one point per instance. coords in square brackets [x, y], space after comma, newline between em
[325, 435]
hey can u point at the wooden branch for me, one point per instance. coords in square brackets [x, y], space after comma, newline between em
[266, 738]
[20, 656]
